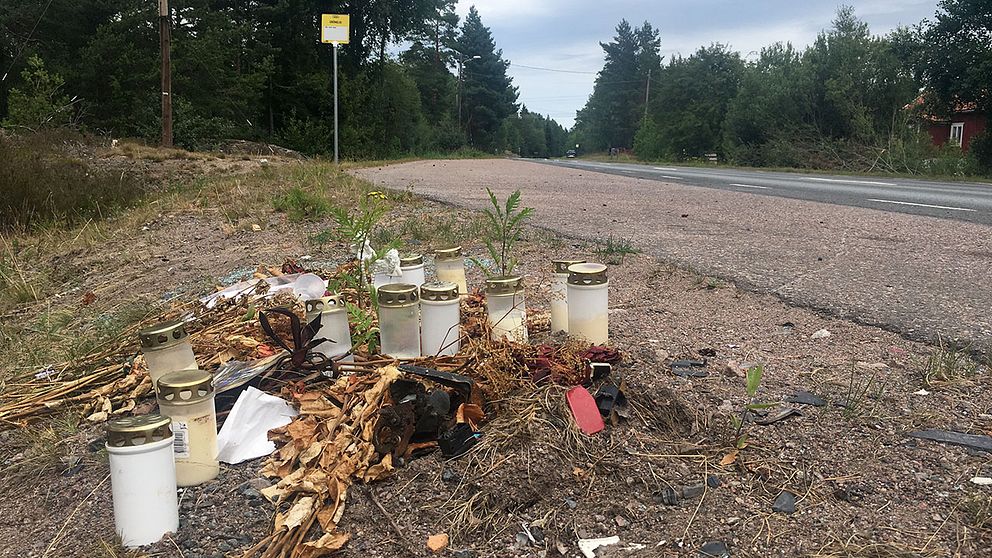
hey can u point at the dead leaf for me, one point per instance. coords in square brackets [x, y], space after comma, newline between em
[296, 515]
[437, 543]
[325, 545]
[470, 414]
[88, 298]
[729, 459]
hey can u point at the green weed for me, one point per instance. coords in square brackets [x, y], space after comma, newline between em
[948, 363]
[614, 251]
[301, 205]
[505, 222]
[863, 394]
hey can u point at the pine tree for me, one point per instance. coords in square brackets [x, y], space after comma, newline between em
[488, 95]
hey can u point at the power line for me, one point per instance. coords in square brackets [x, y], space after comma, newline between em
[26, 41]
[512, 65]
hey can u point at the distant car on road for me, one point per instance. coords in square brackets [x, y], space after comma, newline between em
[570, 154]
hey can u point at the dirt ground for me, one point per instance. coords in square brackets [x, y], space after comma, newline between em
[864, 488]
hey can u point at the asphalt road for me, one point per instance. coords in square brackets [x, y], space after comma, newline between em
[947, 200]
[922, 271]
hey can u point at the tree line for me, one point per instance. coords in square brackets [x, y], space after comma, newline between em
[255, 69]
[851, 100]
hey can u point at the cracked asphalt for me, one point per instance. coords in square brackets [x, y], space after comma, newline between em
[921, 276]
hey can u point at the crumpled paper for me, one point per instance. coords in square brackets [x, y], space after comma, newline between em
[244, 435]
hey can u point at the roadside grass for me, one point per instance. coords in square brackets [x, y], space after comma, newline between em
[35, 450]
[300, 205]
[948, 364]
[614, 250]
[976, 509]
[137, 150]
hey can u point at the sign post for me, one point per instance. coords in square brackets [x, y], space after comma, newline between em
[334, 30]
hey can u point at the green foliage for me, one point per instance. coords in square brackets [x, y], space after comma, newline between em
[40, 184]
[487, 92]
[40, 102]
[739, 423]
[505, 223]
[956, 65]
[616, 106]
[754, 379]
[981, 150]
[614, 251]
[862, 390]
[301, 205]
[948, 363]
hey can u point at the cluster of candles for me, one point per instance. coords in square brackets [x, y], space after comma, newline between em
[151, 455]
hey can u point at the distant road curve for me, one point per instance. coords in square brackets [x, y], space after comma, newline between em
[949, 200]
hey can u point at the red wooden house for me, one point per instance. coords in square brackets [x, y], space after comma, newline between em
[963, 124]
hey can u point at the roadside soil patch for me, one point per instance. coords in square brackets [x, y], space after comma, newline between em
[535, 486]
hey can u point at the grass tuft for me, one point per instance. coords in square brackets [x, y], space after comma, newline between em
[614, 251]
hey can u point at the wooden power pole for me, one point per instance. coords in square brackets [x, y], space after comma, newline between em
[165, 36]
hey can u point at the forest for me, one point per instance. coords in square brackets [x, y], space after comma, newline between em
[851, 100]
[255, 69]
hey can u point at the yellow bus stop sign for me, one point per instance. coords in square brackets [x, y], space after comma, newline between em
[334, 28]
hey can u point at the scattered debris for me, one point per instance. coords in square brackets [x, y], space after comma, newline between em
[584, 410]
[437, 543]
[921, 392]
[978, 442]
[243, 435]
[982, 481]
[778, 415]
[610, 398]
[714, 549]
[588, 546]
[688, 368]
[806, 398]
[785, 503]
[820, 334]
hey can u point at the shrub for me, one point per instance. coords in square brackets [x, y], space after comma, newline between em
[40, 183]
[300, 204]
[981, 151]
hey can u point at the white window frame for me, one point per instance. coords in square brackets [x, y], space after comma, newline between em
[957, 133]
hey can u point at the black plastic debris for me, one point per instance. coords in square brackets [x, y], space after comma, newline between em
[669, 496]
[977, 442]
[688, 368]
[707, 352]
[609, 398]
[785, 503]
[713, 481]
[457, 441]
[806, 398]
[714, 549]
[599, 370]
[779, 414]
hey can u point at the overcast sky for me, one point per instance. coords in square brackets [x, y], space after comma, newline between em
[565, 34]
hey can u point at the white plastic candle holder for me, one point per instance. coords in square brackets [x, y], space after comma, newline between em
[187, 397]
[440, 311]
[506, 308]
[588, 303]
[412, 271]
[559, 294]
[333, 327]
[399, 320]
[166, 348]
[450, 265]
[143, 479]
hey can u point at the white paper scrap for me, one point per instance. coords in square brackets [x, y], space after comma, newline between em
[589, 546]
[244, 435]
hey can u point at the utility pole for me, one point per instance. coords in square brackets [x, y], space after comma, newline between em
[647, 93]
[458, 90]
[165, 37]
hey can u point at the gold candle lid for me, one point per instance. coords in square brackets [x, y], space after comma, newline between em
[448, 253]
[412, 260]
[587, 274]
[330, 303]
[504, 285]
[561, 266]
[162, 335]
[439, 291]
[138, 431]
[398, 295]
[185, 387]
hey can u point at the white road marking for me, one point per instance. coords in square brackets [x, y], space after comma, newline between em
[669, 169]
[923, 205]
[851, 181]
[750, 186]
[669, 177]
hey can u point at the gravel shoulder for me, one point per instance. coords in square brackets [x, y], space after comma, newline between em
[923, 277]
[864, 488]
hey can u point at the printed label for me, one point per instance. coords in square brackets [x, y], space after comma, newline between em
[181, 443]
